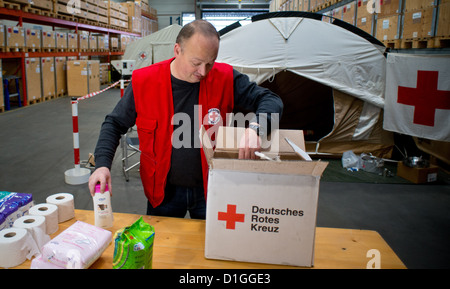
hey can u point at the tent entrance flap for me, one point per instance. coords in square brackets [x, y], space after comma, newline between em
[308, 105]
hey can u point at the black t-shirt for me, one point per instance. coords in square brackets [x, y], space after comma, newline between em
[186, 166]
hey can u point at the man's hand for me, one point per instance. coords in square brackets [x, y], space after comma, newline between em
[249, 144]
[101, 175]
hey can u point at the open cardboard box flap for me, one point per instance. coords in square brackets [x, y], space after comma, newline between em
[226, 151]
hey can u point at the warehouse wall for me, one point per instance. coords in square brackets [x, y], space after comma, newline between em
[172, 9]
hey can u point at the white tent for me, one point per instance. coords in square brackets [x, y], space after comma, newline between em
[153, 48]
[310, 63]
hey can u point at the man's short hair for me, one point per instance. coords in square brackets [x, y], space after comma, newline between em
[197, 26]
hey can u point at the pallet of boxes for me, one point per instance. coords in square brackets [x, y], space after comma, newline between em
[134, 15]
[418, 24]
[389, 23]
[15, 39]
[117, 16]
[442, 38]
[39, 7]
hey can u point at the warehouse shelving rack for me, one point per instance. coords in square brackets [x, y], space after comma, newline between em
[21, 17]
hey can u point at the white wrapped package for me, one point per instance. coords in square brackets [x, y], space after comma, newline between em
[77, 247]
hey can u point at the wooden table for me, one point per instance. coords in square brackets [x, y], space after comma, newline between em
[179, 243]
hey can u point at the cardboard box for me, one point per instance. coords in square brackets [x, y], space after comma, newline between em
[387, 28]
[15, 37]
[33, 77]
[60, 75]
[61, 40]
[84, 42]
[48, 77]
[389, 7]
[418, 23]
[2, 101]
[348, 13]
[48, 40]
[2, 37]
[77, 77]
[443, 25]
[257, 210]
[83, 77]
[94, 76]
[93, 43]
[72, 41]
[417, 175]
[33, 39]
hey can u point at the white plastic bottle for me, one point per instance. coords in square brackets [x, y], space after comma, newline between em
[102, 208]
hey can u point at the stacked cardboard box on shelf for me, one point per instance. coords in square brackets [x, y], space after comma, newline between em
[400, 24]
[114, 43]
[134, 16]
[72, 42]
[117, 15]
[48, 77]
[15, 38]
[364, 19]
[348, 13]
[2, 103]
[33, 40]
[389, 22]
[93, 46]
[103, 12]
[104, 73]
[83, 41]
[60, 76]
[418, 16]
[2, 38]
[61, 41]
[33, 78]
[48, 40]
[83, 77]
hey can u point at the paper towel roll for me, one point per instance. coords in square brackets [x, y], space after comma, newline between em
[16, 245]
[35, 226]
[50, 212]
[65, 203]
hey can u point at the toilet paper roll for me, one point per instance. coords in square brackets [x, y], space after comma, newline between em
[16, 245]
[65, 203]
[50, 212]
[35, 225]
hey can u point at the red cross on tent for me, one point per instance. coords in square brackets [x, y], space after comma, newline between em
[231, 217]
[425, 98]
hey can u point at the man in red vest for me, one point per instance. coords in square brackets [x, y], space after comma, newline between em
[191, 84]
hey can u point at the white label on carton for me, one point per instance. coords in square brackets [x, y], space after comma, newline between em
[432, 177]
[385, 23]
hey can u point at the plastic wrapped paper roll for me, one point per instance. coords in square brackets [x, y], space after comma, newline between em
[35, 226]
[65, 203]
[16, 245]
[50, 212]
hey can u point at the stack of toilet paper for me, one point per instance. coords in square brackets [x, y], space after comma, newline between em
[25, 229]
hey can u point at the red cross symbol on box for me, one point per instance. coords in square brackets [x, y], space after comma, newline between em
[231, 217]
[426, 98]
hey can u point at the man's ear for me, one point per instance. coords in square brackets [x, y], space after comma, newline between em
[177, 49]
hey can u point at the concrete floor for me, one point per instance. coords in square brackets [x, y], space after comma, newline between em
[36, 148]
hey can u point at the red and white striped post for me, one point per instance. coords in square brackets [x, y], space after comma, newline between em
[121, 87]
[77, 175]
[76, 136]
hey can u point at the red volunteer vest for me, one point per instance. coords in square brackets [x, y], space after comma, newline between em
[152, 89]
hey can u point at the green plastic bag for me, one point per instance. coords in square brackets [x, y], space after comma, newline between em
[134, 246]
